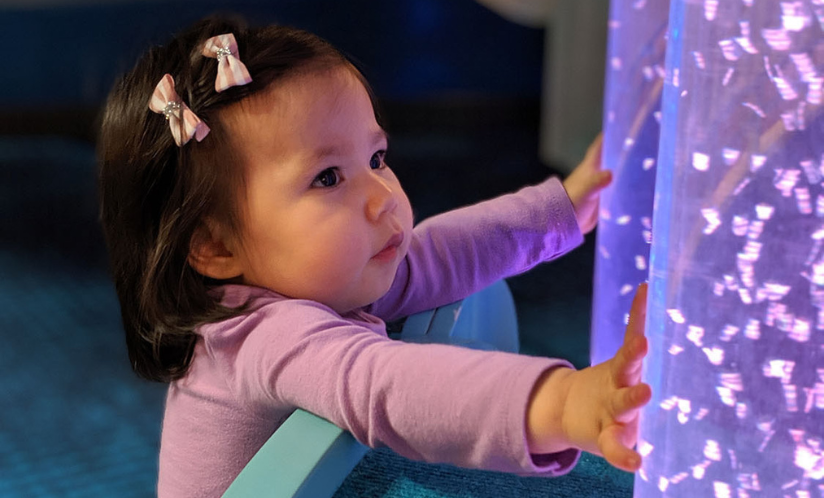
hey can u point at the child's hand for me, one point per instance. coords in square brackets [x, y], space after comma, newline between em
[595, 409]
[584, 184]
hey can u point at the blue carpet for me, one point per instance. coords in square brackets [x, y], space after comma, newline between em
[77, 422]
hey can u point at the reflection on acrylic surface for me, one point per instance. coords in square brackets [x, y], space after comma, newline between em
[736, 312]
[632, 116]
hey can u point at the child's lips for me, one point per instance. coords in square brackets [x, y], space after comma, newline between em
[390, 250]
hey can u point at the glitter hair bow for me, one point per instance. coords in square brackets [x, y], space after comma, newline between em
[230, 71]
[183, 122]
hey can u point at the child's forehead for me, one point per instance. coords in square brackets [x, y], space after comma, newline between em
[326, 91]
[309, 111]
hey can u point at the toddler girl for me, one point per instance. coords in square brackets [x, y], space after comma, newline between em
[258, 241]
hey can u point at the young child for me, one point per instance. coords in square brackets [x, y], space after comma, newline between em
[259, 240]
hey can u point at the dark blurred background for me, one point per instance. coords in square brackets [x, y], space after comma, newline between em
[464, 93]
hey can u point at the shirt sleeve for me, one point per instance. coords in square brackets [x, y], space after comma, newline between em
[458, 253]
[429, 402]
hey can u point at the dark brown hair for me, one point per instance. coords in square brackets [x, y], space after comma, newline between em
[154, 195]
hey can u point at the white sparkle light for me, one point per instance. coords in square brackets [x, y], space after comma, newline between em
[728, 76]
[804, 65]
[715, 355]
[712, 450]
[740, 225]
[756, 161]
[729, 332]
[813, 175]
[815, 90]
[778, 39]
[764, 211]
[713, 220]
[699, 59]
[785, 88]
[779, 369]
[695, 335]
[731, 380]
[746, 44]
[802, 197]
[793, 16]
[721, 489]
[755, 109]
[741, 410]
[730, 50]
[753, 330]
[675, 315]
[726, 394]
[730, 155]
[791, 398]
[700, 161]
[710, 11]
[785, 180]
[740, 187]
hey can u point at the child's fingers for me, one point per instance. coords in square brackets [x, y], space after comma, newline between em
[631, 355]
[630, 361]
[594, 149]
[637, 313]
[604, 179]
[611, 443]
[626, 401]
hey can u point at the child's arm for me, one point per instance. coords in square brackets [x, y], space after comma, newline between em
[457, 253]
[594, 409]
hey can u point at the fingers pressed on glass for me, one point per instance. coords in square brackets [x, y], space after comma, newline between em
[630, 398]
[638, 311]
[614, 451]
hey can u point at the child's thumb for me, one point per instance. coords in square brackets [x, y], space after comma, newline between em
[603, 178]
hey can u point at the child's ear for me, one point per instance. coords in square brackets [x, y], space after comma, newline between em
[210, 252]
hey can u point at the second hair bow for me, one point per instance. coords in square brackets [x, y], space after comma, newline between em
[230, 70]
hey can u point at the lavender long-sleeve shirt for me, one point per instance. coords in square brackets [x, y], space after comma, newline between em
[430, 402]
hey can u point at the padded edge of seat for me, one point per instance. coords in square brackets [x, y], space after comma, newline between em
[307, 457]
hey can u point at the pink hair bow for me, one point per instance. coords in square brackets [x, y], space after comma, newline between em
[183, 122]
[230, 71]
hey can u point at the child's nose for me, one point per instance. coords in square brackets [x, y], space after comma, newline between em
[382, 198]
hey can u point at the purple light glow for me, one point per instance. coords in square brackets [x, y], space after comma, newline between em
[736, 310]
[632, 108]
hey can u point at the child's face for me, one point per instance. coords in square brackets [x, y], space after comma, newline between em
[324, 218]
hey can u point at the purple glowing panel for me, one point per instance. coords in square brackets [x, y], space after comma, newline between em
[632, 113]
[736, 311]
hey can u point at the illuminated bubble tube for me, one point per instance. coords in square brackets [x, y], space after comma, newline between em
[736, 310]
[632, 114]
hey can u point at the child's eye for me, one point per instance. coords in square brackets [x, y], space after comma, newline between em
[376, 162]
[327, 178]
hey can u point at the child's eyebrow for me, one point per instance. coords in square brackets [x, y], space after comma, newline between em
[380, 136]
[334, 150]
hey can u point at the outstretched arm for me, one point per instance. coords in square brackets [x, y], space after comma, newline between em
[595, 409]
[460, 252]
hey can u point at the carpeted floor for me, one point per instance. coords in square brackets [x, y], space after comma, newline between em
[76, 421]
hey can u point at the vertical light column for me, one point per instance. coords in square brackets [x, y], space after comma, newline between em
[736, 311]
[632, 113]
